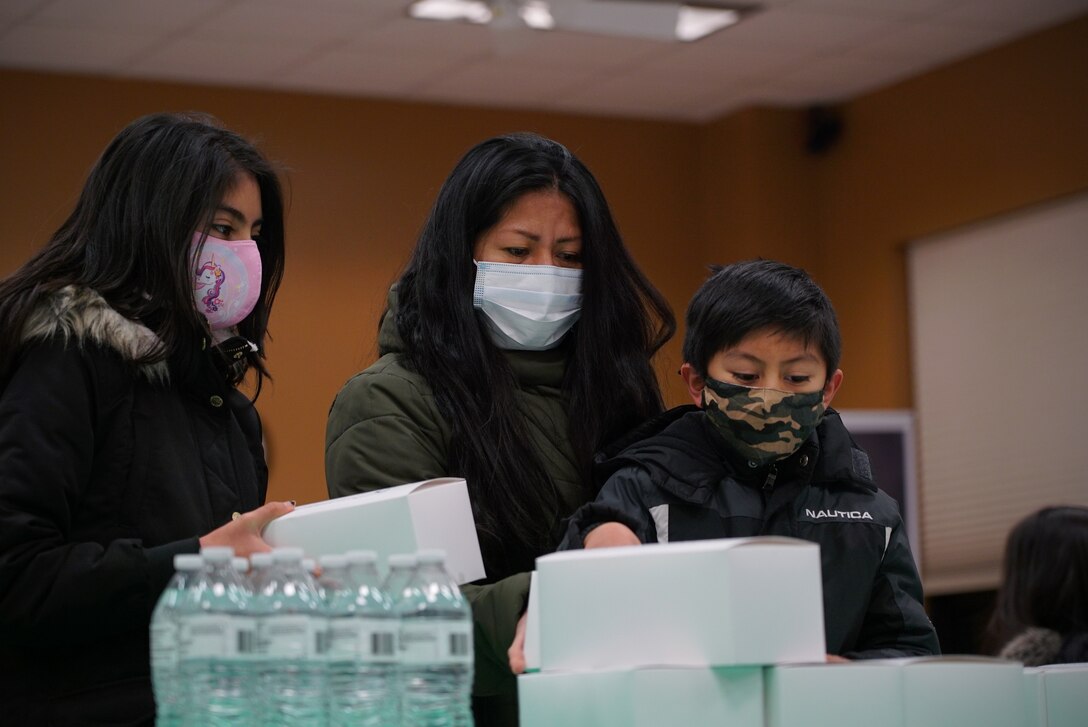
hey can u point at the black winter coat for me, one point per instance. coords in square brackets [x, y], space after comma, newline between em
[685, 484]
[107, 470]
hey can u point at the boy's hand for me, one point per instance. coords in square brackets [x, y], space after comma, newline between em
[610, 535]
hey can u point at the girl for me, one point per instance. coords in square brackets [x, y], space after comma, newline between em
[123, 440]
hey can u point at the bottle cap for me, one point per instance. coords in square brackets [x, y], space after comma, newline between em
[431, 556]
[188, 561]
[333, 561]
[287, 555]
[217, 555]
[260, 560]
[362, 557]
[402, 560]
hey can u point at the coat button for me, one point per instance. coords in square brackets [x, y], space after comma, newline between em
[753, 464]
[804, 460]
[216, 401]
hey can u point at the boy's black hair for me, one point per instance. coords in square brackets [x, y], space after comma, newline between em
[749, 296]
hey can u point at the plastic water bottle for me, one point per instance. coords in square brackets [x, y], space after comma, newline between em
[291, 628]
[241, 567]
[362, 634]
[260, 567]
[401, 568]
[217, 639]
[262, 577]
[179, 595]
[435, 648]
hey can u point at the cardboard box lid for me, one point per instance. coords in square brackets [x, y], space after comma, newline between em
[673, 549]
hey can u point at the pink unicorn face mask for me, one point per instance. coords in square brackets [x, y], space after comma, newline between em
[226, 280]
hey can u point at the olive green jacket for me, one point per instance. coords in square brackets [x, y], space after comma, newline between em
[385, 429]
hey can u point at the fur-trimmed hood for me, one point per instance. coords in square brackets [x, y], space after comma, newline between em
[1033, 647]
[81, 314]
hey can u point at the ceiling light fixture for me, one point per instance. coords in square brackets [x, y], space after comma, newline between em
[698, 21]
[537, 14]
[652, 19]
[474, 11]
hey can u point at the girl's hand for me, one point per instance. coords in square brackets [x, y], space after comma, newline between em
[243, 533]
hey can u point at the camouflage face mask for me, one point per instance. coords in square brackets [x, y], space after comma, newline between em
[762, 425]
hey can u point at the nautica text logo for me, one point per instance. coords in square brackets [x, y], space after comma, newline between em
[847, 514]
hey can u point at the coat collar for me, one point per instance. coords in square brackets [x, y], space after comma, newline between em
[82, 315]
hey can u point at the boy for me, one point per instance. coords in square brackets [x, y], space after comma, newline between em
[763, 455]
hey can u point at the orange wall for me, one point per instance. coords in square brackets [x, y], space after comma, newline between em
[974, 139]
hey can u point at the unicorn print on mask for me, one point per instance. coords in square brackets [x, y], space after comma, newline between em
[226, 279]
[210, 278]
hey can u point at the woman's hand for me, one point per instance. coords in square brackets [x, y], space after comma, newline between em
[516, 652]
[610, 535]
[244, 532]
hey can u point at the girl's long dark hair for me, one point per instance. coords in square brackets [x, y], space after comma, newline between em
[609, 383]
[1045, 579]
[129, 237]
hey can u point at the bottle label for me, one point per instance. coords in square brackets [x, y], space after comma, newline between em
[293, 636]
[164, 644]
[436, 642]
[216, 635]
[367, 639]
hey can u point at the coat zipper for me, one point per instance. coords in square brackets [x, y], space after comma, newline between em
[772, 475]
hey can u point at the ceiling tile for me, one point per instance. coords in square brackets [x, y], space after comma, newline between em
[1020, 16]
[928, 43]
[13, 10]
[69, 49]
[417, 36]
[120, 16]
[514, 83]
[834, 79]
[581, 48]
[888, 9]
[258, 20]
[196, 59]
[796, 30]
[723, 62]
[375, 73]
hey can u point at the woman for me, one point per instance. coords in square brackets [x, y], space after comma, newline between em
[1041, 616]
[123, 439]
[515, 344]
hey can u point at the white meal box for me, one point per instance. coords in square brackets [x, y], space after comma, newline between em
[434, 514]
[931, 691]
[649, 697]
[1056, 695]
[726, 602]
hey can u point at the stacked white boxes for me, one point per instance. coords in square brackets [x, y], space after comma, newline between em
[1056, 696]
[916, 692]
[434, 514]
[668, 634]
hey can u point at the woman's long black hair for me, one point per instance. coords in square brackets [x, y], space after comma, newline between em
[1045, 579]
[130, 235]
[609, 382]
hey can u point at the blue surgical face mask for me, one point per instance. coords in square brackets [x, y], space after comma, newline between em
[527, 307]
